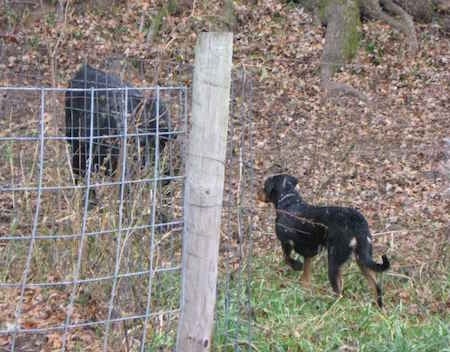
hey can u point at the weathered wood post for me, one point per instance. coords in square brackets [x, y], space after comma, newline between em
[205, 168]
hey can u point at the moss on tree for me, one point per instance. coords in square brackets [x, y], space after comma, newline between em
[352, 30]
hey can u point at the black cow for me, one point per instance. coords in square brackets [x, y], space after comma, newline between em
[108, 111]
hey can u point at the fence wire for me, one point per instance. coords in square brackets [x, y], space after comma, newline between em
[91, 193]
[91, 199]
[234, 308]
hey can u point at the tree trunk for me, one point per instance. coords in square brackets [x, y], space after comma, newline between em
[395, 16]
[420, 10]
[341, 43]
[442, 5]
[443, 13]
[342, 18]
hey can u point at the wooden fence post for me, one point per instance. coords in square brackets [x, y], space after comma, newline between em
[205, 168]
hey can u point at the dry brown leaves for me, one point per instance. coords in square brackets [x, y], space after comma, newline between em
[46, 308]
[386, 158]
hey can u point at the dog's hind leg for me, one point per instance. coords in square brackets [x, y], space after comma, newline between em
[371, 278]
[337, 256]
[335, 277]
[335, 261]
[287, 247]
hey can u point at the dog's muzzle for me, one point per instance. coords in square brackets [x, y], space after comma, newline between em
[261, 196]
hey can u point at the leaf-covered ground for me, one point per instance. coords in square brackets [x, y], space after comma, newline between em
[389, 158]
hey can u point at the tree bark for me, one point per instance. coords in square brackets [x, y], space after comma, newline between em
[341, 43]
[342, 18]
[385, 10]
[420, 10]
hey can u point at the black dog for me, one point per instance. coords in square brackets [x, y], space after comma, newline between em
[306, 229]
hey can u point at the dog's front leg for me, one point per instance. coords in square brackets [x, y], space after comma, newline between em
[307, 268]
[287, 249]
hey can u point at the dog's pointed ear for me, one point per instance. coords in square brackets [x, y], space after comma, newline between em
[294, 180]
[268, 186]
[291, 180]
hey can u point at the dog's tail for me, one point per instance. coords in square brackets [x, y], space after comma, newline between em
[368, 262]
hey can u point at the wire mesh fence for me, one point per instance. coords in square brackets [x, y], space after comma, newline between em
[234, 313]
[91, 198]
[121, 249]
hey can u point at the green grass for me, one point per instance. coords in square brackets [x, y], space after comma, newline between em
[288, 317]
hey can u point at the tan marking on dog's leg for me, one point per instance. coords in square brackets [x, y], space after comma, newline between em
[340, 282]
[306, 276]
[261, 196]
[371, 278]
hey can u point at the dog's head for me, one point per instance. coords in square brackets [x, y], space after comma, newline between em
[277, 186]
